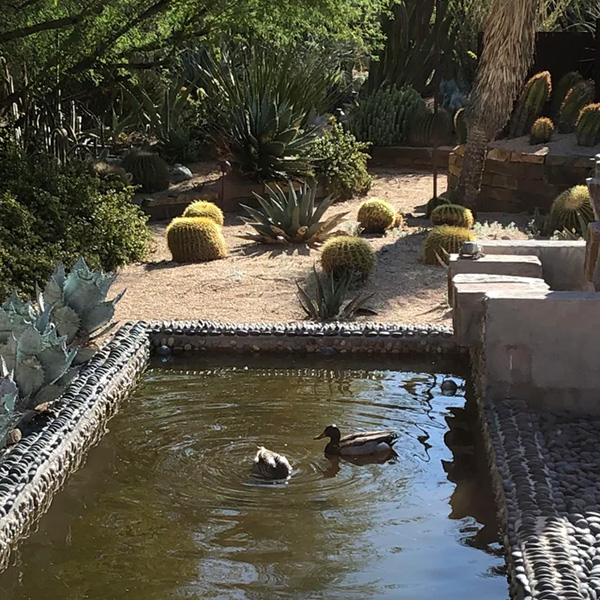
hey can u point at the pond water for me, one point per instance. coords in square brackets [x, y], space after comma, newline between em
[165, 509]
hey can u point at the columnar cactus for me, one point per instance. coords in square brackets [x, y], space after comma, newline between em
[587, 128]
[565, 83]
[541, 131]
[195, 239]
[443, 240]
[577, 97]
[452, 214]
[530, 104]
[376, 216]
[428, 128]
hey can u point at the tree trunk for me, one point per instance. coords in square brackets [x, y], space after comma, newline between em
[508, 47]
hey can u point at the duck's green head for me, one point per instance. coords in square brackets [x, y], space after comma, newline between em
[332, 432]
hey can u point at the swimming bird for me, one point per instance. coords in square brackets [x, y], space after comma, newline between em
[270, 465]
[357, 444]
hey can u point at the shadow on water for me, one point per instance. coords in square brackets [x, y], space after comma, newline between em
[164, 507]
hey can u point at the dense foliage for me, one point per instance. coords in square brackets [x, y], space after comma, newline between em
[51, 213]
[341, 162]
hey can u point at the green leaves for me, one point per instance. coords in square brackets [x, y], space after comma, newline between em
[291, 217]
[330, 294]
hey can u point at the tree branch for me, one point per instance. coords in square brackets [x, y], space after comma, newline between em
[22, 32]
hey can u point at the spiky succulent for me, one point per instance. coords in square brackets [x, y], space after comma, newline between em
[434, 202]
[79, 306]
[452, 214]
[290, 217]
[195, 240]
[571, 210]
[330, 294]
[267, 142]
[565, 83]
[444, 240]
[529, 106]
[376, 216]
[587, 128]
[541, 131]
[577, 97]
[204, 208]
[345, 253]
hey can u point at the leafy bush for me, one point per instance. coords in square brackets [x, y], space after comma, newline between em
[342, 162]
[51, 213]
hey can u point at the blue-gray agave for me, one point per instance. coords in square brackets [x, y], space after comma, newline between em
[79, 305]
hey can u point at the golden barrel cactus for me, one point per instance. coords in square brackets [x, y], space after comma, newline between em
[203, 208]
[376, 216]
[541, 131]
[347, 253]
[445, 239]
[452, 214]
[195, 239]
[570, 208]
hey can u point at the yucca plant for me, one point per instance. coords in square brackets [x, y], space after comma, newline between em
[290, 217]
[330, 295]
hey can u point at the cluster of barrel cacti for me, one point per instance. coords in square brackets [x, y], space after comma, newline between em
[587, 128]
[530, 104]
[148, 170]
[377, 216]
[204, 208]
[385, 117]
[195, 239]
[541, 131]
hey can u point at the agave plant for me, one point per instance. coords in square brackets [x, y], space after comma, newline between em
[291, 217]
[330, 294]
[80, 310]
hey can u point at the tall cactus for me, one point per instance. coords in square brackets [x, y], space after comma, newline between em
[578, 96]
[587, 128]
[428, 128]
[530, 104]
[565, 83]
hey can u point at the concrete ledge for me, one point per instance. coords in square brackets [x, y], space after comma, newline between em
[543, 348]
[469, 291]
[562, 262]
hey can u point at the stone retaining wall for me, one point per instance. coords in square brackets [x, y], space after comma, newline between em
[517, 182]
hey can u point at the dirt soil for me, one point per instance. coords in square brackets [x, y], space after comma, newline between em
[258, 282]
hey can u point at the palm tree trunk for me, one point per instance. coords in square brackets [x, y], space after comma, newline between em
[509, 43]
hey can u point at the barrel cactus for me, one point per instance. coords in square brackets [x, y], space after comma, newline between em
[571, 210]
[541, 131]
[384, 117]
[577, 97]
[565, 83]
[148, 170]
[433, 203]
[452, 214]
[587, 128]
[443, 240]
[203, 208]
[343, 254]
[376, 216]
[460, 126]
[530, 104]
[427, 128]
[195, 239]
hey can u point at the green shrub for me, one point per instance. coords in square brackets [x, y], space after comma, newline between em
[51, 213]
[342, 162]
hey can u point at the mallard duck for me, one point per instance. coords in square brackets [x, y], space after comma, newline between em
[357, 444]
[270, 465]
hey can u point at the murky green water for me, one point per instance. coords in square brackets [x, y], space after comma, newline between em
[164, 508]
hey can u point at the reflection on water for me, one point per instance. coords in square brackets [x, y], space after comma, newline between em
[165, 507]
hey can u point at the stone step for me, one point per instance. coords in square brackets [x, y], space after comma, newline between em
[468, 292]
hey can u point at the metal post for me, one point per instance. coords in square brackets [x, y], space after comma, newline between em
[597, 60]
[436, 89]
